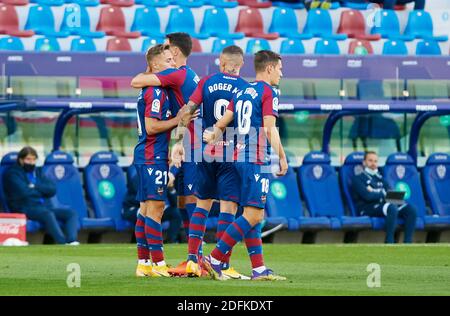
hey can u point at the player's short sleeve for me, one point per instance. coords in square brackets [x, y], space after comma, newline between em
[154, 99]
[171, 78]
[197, 95]
[270, 101]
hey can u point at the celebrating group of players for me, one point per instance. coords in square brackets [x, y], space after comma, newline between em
[226, 130]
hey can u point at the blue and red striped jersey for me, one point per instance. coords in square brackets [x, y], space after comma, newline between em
[153, 103]
[215, 92]
[250, 105]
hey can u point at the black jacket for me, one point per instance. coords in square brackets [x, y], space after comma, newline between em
[364, 198]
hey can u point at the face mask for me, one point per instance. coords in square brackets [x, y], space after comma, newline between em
[28, 167]
[371, 171]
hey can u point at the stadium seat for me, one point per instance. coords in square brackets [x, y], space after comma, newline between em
[42, 22]
[395, 47]
[59, 168]
[420, 25]
[11, 43]
[146, 20]
[222, 3]
[255, 4]
[257, 44]
[360, 47]
[86, 3]
[196, 46]
[189, 3]
[318, 24]
[320, 187]
[215, 23]
[182, 20]
[7, 161]
[250, 22]
[326, 47]
[118, 44]
[83, 44]
[353, 24]
[353, 165]
[292, 46]
[15, 2]
[153, 3]
[118, 3]
[436, 179]
[219, 44]
[386, 24]
[47, 44]
[148, 42]
[355, 5]
[106, 187]
[291, 5]
[401, 174]
[284, 22]
[285, 207]
[84, 28]
[9, 22]
[53, 3]
[428, 47]
[112, 22]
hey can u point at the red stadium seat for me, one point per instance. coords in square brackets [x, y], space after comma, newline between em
[255, 3]
[196, 46]
[250, 22]
[15, 2]
[118, 44]
[356, 45]
[118, 3]
[112, 22]
[353, 24]
[9, 22]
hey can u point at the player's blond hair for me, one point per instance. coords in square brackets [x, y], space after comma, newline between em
[155, 51]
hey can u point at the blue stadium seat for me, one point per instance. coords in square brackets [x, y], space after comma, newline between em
[355, 5]
[222, 3]
[85, 3]
[188, 3]
[42, 22]
[215, 23]
[47, 44]
[290, 5]
[71, 25]
[436, 179]
[7, 161]
[428, 47]
[326, 47]
[284, 22]
[254, 45]
[292, 46]
[220, 43]
[146, 20]
[285, 207]
[353, 165]
[83, 44]
[420, 25]
[55, 3]
[153, 3]
[148, 42]
[401, 174]
[386, 24]
[320, 187]
[395, 47]
[59, 168]
[182, 20]
[11, 43]
[106, 187]
[318, 24]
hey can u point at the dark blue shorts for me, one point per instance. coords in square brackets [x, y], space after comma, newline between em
[152, 182]
[217, 180]
[185, 181]
[254, 184]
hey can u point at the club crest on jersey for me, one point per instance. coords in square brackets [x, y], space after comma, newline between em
[150, 171]
[317, 171]
[400, 171]
[160, 190]
[156, 106]
[60, 171]
[441, 171]
[104, 171]
[257, 177]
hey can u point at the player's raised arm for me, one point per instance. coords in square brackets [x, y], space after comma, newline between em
[156, 126]
[145, 80]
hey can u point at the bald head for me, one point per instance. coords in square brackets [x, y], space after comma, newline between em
[231, 60]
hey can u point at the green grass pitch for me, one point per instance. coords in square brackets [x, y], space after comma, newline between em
[311, 270]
